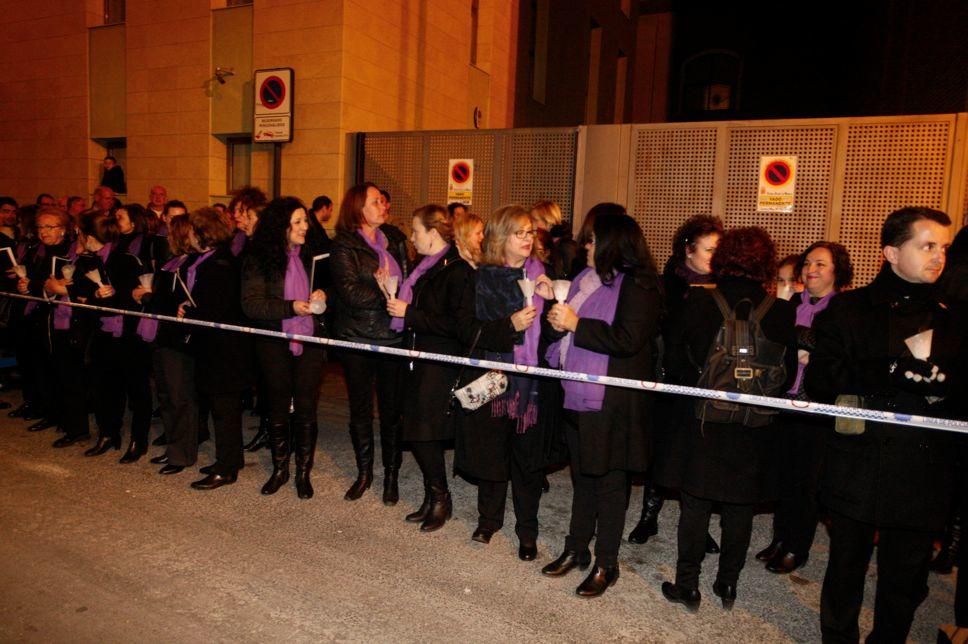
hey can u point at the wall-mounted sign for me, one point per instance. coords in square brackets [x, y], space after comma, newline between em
[273, 105]
[778, 178]
[460, 181]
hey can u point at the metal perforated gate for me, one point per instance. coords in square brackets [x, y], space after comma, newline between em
[510, 166]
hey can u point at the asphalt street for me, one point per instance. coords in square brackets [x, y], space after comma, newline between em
[95, 551]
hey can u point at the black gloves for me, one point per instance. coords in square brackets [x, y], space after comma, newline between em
[918, 377]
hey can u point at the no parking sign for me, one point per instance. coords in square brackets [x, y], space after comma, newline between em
[273, 106]
[778, 180]
[460, 181]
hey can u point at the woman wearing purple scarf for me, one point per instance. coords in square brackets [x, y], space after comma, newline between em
[369, 257]
[503, 441]
[426, 308]
[825, 270]
[276, 295]
[608, 326]
[121, 363]
[223, 360]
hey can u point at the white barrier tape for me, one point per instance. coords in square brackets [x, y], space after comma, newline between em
[783, 404]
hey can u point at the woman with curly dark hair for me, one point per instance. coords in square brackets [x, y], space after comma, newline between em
[825, 270]
[689, 266]
[276, 294]
[369, 256]
[722, 462]
[135, 237]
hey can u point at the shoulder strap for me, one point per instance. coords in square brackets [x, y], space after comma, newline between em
[722, 304]
[760, 311]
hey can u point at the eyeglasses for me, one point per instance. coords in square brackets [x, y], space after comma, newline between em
[49, 227]
[524, 234]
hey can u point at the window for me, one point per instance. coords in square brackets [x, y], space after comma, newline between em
[710, 83]
[239, 158]
[475, 28]
[113, 12]
[594, 67]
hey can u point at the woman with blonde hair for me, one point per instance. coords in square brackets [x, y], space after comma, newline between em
[503, 440]
[555, 244]
[425, 310]
[468, 236]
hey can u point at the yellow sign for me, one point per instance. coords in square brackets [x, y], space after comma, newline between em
[460, 181]
[778, 178]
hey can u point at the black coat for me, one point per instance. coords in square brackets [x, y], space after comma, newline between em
[263, 300]
[482, 442]
[891, 475]
[223, 358]
[431, 325]
[164, 299]
[617, 437]
[359, 306]
[726, 462]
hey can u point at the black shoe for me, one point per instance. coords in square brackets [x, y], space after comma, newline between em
[362, 483]
[527, 549]
[785, 562]
[103, 444]
[278, 478]
[160, 460]
[67, 441]
[304, 487]
[134, 453]
[208, 469]
[648, 525]
[679, 595]
[19, 412]
[598, 581]
[160, 441]
[261, 438]
[421, 513]
[391, 486]
[770, 551]
[441, 509]
[569, 560]
[712, 548]
[726, 592]
[482, 535]
[41, 425]
[171, 469]
[214, 481]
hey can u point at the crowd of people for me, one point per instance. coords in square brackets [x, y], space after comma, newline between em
[519, 288]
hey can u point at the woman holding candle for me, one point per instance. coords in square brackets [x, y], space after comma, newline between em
[503, 440]
[368, 256]
[426, 311]
[276, 294]
[607, 326]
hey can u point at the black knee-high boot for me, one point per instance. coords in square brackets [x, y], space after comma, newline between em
[305, 435]
[280, 444]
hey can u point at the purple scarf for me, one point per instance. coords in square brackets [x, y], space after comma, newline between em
[805, 313]
[113, 324]
[520, 401]
[62, 314]
[296, 288]
[238, 242]
[135, 246]
[384, 258]
[594, 301]
[193, 269]
[406, 289]
[148, 328]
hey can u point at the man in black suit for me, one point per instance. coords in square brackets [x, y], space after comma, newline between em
[889, 480]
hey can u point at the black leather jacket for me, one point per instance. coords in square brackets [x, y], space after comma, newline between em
[359, 306]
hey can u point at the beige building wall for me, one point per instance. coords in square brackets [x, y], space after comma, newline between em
[360, 65]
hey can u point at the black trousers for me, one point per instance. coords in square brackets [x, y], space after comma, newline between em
[73, 377]
[290, 378]
[598, 505]
[40, 371]
[122, 369]
[525, 492]
[430, 457]
[902, 579]
[226, 411]
[364, 371]
[737, 526]
[801, 447]
[175, 386]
